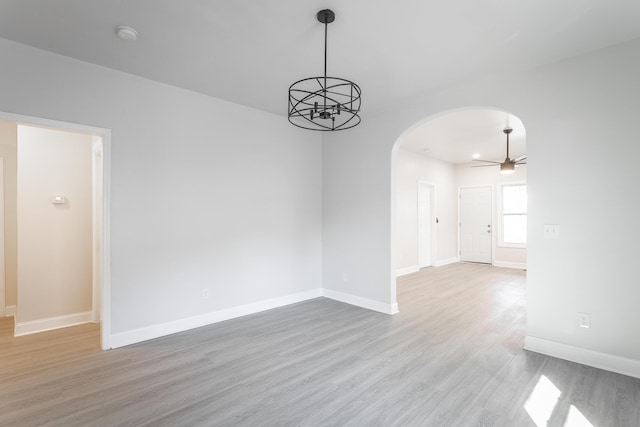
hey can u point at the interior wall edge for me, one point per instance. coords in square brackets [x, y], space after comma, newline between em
[608, 362]
[146, 333]
[407, 270]
[442, 262]
[50, 323]
[10, 310]
[369, 304]
[506, 264]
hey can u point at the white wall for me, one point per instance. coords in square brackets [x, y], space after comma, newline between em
[467, 176]
[204, 193]
[410, 168]
[54, 240]
[580, 117]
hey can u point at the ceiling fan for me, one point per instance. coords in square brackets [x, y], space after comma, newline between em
[509, 165]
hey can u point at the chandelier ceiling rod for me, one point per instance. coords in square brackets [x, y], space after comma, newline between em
[326, 25]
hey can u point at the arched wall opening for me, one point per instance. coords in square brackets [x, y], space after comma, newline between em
[436, 155]
[575, 112]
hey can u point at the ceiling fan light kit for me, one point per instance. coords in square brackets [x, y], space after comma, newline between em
[324, 103]
[509, 165]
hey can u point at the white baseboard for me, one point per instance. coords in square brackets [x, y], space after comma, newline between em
[10, 310]
[608, 362]
[361, 302]
[447, 261]
[414, 268]
[122, 339]
[41, 325]
[506, 264]
[407, 270]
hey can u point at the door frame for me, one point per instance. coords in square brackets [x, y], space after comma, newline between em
[432, 221]
[3, 270]
[105, 134]
[493, 213]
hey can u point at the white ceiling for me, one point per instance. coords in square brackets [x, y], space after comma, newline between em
[455, 137]
[250, 51]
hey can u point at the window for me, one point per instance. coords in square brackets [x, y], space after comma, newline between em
[514, 215]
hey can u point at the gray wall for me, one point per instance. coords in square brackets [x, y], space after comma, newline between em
[204, 193]
[208, 193]
[581, 119]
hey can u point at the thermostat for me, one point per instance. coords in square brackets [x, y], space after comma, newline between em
[58, 200]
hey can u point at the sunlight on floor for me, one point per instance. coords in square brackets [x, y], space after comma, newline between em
[576, 419]
[543, 401]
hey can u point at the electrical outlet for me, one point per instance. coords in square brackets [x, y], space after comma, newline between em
[344, 276]
[584, 320]
[205, 293]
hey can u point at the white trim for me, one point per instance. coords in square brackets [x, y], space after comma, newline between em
[432, 220]
[506, 264]
[407, 270]
[361, 302]
[10, 311]
[608, 362]
[447, 261]
[97, 230]
[155, 331]
[105, 297]
[3, 289]
[105, 324]
[438, 263]
[500, 216]
[41, 325]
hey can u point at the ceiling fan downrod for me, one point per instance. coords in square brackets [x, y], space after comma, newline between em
[507, 131]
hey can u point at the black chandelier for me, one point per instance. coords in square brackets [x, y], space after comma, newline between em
[324, 103]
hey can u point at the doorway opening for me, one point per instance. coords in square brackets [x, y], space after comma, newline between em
[441, 152]
[58, 261]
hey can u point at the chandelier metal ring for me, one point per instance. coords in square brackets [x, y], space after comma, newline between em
[324, 103]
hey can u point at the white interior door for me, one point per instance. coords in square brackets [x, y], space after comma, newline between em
[475, 224]
[425, 221]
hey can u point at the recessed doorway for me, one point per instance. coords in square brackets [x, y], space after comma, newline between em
[62, 182]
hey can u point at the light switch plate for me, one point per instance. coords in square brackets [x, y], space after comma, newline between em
[58, 200]
[551, 231]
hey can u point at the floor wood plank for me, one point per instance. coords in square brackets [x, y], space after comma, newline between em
[452, 357]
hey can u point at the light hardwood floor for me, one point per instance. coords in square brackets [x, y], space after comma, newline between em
[452, 357]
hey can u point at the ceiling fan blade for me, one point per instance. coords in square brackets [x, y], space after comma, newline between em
[521, 162]
[487, 161]
[484, 166]
[518, 159]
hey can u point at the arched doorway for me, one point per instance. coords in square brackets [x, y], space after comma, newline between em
[443, 152]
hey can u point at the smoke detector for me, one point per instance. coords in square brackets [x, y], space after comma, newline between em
[126, 33]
